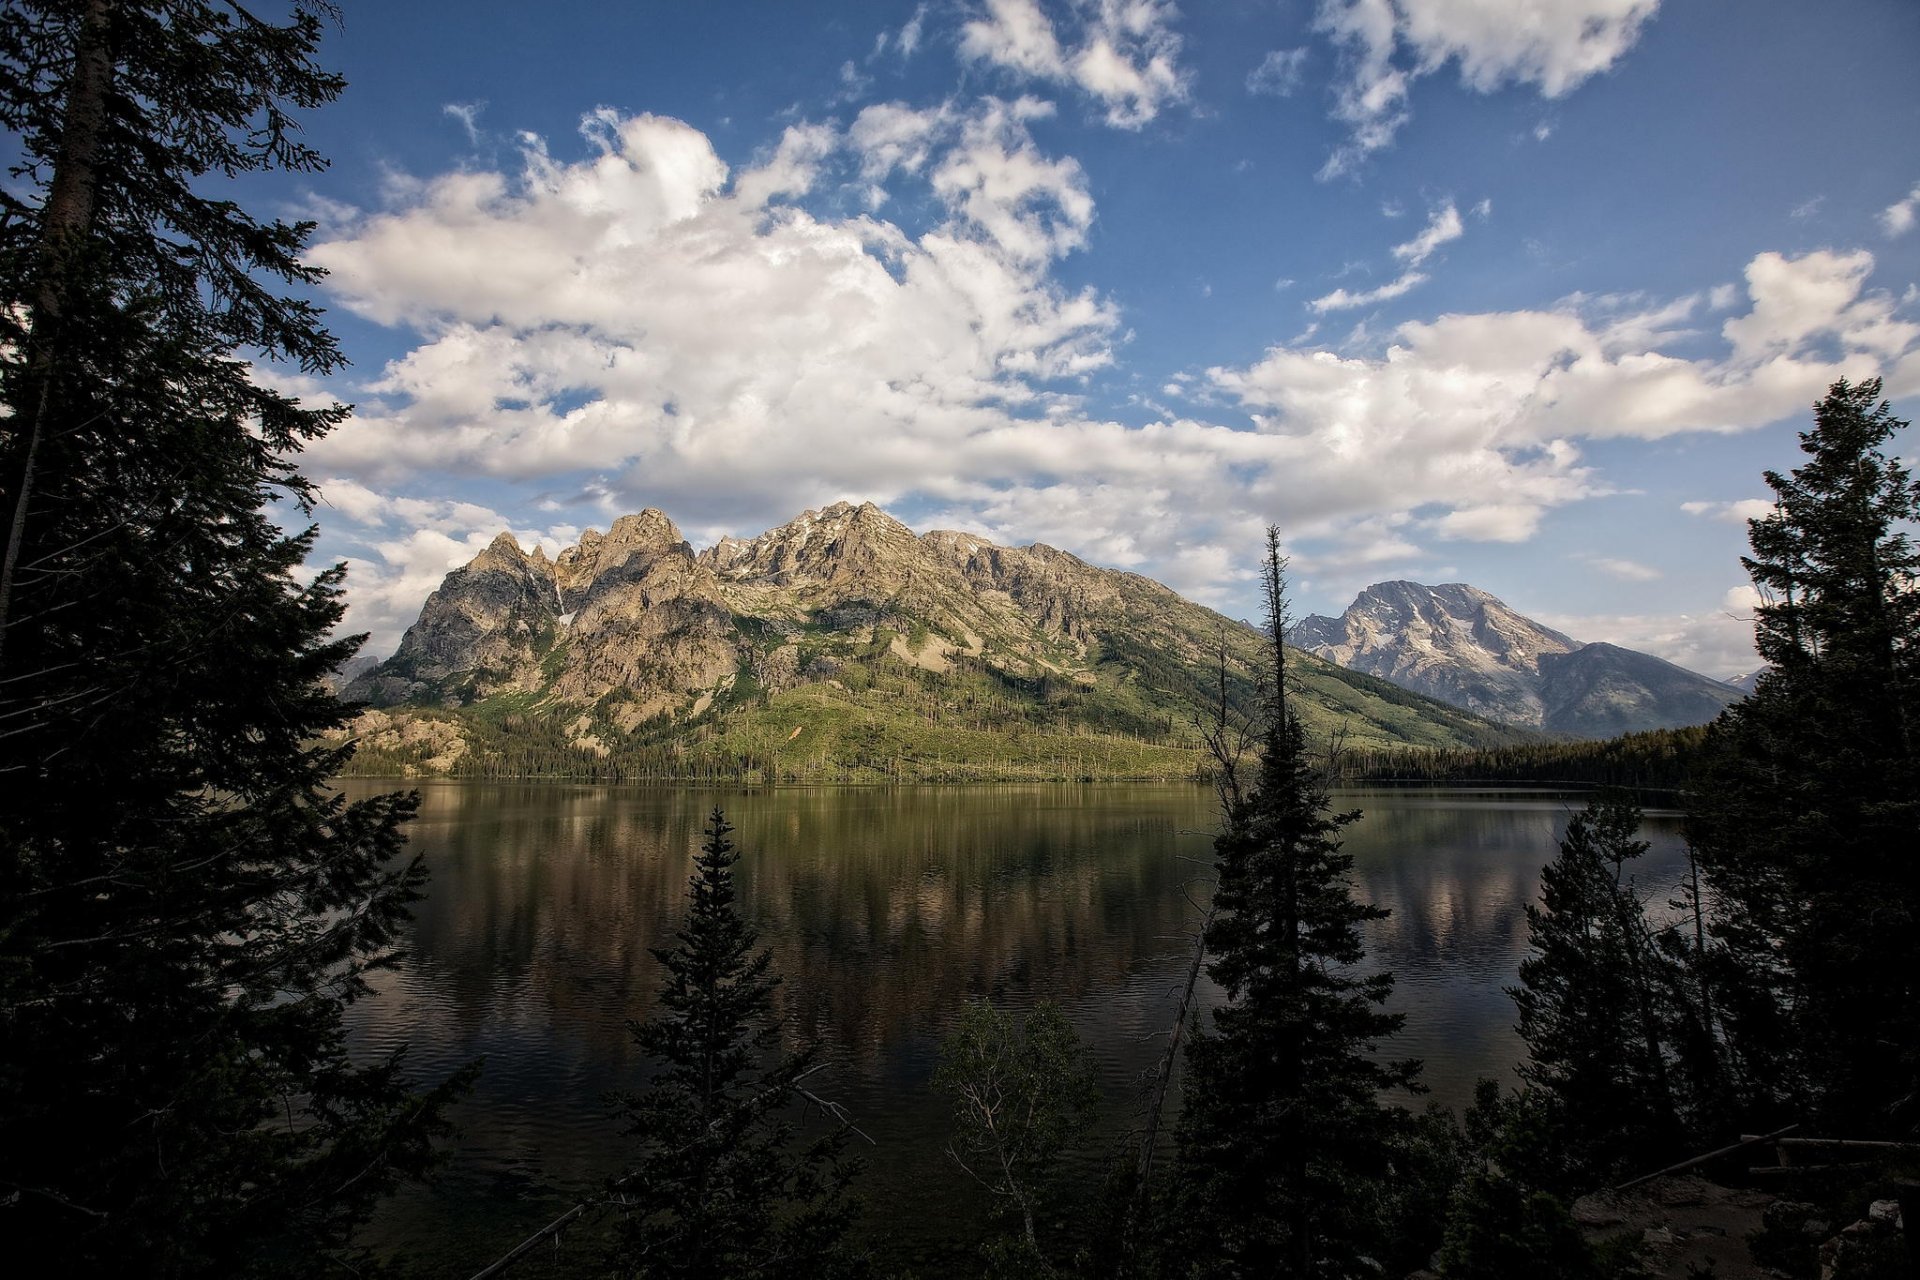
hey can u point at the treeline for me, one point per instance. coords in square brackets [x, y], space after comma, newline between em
[1653, 760]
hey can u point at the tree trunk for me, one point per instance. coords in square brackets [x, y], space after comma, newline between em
[68, 221]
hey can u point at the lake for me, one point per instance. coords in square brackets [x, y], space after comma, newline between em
[886, 908]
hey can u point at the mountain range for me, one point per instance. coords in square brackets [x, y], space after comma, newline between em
[1462, 646]
[839, 645]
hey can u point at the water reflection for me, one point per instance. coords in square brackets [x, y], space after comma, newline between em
[885, 908]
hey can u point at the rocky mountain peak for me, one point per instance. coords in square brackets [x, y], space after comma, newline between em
[1465, 646]
[630, 635]
[836, 544]
[651, 527]
[502, 553]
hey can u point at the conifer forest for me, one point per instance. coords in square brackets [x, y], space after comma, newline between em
[198, 920]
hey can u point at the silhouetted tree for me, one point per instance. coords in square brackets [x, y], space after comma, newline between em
[719, 1188]
[1284, 1144]
[1807, 813]
[1597, 1001]
[1509, 1214]
[185, 908]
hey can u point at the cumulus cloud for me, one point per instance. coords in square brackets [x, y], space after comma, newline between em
[1898, 218]
[1123, 53]
[1715, 642]
[642, 324]
[643, 308]
[1485, 411]
[1385, 45]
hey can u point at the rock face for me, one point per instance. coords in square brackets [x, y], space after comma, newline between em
[1462, 646]
[632, 628]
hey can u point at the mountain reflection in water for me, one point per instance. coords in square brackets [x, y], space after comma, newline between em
[886, 908]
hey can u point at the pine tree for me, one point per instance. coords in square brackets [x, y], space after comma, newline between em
[185, 908]
[719, 1189]
[1598, 1003]
[1284, 1144]
[1807, 812]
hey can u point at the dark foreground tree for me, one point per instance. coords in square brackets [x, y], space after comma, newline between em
[1602, 1005]
[185, 909]
[720, 1189]
[1509, 1214]
[1806, 815]
[1285, 1149]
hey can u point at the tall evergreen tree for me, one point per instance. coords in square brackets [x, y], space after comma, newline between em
[1806, 815]
[719, 1188]
[185, 908]
[1600, 1004]
[1284, 1143]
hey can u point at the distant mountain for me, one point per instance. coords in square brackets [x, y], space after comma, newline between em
[1748, 682]
[1462, 646]
[840, 644]
[350, 670]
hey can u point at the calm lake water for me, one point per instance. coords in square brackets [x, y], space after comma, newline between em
[886, 908]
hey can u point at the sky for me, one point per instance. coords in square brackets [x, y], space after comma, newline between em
[1521, 293]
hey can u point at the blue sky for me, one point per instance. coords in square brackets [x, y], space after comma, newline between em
[1523, 293]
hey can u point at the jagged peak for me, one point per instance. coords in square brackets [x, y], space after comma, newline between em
[503, 552]
[649, 525]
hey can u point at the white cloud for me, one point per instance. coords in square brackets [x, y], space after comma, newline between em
[644, 313]
[1278, 74]
[1479, 414]
[1551, 45]
[1494, 522]
[1443, 227]
[1796, 299]
[1624, 570]
[1347, 300]
[1733, 512]
[468, 114]
[1898, 218]
[909, 39]
[642, 325]
[1124, 53]
[1715, 642]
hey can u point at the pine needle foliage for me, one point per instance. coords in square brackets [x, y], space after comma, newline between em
[186, 908]
[1284, 1145]
[720, 1188]
[1596, 1004]
[1806, 815]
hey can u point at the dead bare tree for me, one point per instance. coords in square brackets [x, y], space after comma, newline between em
[1229, 732]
